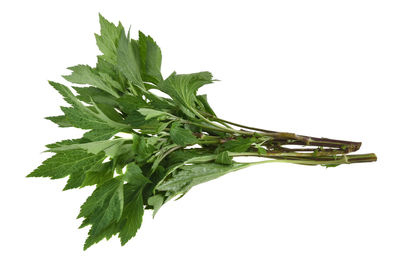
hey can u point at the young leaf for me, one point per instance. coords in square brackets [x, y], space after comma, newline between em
[224, 158]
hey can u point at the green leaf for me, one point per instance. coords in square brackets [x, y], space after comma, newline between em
[103, 207]
[202, 99]
[84, 120]
[90, 94]
[101, 134]
[182, 136]
[129, 104]
[61, 121]
[239, 144]
[108, 40]
[98, 174]
[152, 113]
[106, 233]
[191, 175]
[156, 201]
[84, 74]
[144, 149]
[183, 89]
[150, 55]
[132, 216]
[109, 147]
[70, 98]
[67, 142]
[81, 116]
[65, 163]
[75, 180]
[127, 61]
[134, 175]
[223, 158]
[180, 156]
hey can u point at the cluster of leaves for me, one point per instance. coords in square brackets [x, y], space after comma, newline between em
[152, 164]
[140, 149]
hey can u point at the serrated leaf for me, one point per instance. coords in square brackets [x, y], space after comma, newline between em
[69, 97]
[98, 174]
[90, 94]
[101, 134]
[83, 120]
[109, 147]
[84, 74]
[108, 40]
[61, 121]
[150, 55]
[103, 208]
[106, 233]
[183, 89]
[134, 175]
[67, 142]
[132, 215]
[128, 61]
[129, 103]
[65, 163]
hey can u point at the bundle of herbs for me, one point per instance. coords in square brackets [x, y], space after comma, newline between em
[141, 150]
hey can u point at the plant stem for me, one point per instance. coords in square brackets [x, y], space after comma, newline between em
[344, 159]
[297, 139]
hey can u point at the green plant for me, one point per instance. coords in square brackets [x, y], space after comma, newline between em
[141, 149]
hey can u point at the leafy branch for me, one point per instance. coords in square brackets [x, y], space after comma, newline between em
[141, 150]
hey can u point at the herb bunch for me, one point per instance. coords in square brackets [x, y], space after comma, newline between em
[141, 150]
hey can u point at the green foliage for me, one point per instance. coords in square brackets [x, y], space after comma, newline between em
[139, 149]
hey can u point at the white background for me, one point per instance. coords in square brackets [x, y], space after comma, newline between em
[321, 68]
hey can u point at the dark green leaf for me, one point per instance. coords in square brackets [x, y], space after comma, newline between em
[98, 174]
[132, 216]
[103, 208]
[134, 175]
